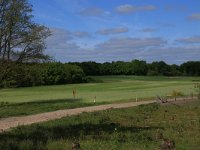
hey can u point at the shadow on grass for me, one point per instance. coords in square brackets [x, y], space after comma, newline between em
[44, 102]
[55, 101]
[41, 134]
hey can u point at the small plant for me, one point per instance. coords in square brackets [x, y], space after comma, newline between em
[197, 89]
[3, 103]
[176, 94]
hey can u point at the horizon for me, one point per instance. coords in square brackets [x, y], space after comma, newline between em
[86, 30]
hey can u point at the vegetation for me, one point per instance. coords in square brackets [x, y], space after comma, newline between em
[23, 63]
[34, 74]
[176, 94]
[137, 67]
[197, 88]
[21, 39]
[22, 42]
[25, 75]
[36, 107]
[108, 89]
[143, 127]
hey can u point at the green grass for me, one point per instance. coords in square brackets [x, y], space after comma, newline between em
[28, 108]
[109, 89]
[112, 88]
[119, 129]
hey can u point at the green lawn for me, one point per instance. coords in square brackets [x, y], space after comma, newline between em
[108, 89]
[112, 88]
[120, 129]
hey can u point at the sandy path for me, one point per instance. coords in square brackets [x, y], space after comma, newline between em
[7, 123]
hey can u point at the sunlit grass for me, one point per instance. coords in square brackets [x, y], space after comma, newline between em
[112, 88]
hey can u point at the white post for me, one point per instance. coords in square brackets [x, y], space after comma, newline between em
[95, 99]
[136, 99]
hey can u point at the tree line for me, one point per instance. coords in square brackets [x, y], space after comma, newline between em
[35, 74]
[140, 67]
[14, 74]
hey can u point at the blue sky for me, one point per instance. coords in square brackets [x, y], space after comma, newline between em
[102, 30]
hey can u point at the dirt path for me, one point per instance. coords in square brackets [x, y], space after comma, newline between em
[12, 122]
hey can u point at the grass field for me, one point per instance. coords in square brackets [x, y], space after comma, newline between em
[112, 88]
[123, 129]
[108, 89]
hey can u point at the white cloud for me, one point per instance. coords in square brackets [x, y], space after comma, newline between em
[148, 30]
[81, 34]
[93, 11]
[194, 17]
[61, 46]
[112, 31]
[189, 40]
[60, 42]
[131, 43]
[127, 8]
[173, 54]
[62, 34]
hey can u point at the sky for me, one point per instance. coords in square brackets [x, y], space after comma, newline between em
[121, 30]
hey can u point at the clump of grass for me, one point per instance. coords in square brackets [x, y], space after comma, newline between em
[3, 103]
[176, 93]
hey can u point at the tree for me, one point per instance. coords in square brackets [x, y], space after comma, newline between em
[21, 39]
[191, 68]
[159, 68]
[138, 67]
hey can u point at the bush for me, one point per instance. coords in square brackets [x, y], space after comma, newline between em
[35, 74]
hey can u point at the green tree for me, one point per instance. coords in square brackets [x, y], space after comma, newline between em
[159, 68]
[21, 39]
[138, 67]
[191, 68]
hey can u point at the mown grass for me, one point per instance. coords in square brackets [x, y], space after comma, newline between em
[111, 88]
[120, 129]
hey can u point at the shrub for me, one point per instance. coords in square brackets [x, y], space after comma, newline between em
[35, 74]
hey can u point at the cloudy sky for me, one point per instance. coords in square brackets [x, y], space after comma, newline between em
[111, 30]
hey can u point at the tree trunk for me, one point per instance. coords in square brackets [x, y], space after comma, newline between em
[4, 47]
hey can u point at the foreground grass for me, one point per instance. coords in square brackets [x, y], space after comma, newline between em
[29, 108]
[125, 129]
